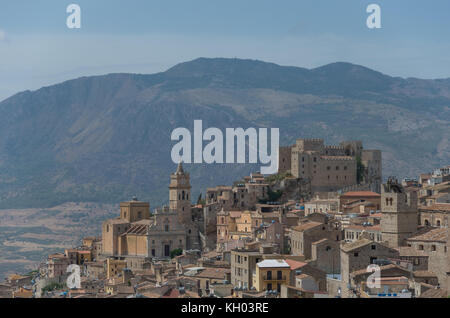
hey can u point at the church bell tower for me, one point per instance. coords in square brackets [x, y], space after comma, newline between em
[180, 194]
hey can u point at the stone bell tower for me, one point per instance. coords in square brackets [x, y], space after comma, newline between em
[399, 214]
[180, 195]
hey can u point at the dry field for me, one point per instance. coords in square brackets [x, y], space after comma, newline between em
[27, 236]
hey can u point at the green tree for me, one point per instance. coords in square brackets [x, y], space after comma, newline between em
[176, 252]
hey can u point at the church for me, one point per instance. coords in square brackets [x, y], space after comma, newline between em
[138, 233]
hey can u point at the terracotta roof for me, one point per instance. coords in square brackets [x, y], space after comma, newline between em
[382, 268]
[306, 226]
[437, 207]
[302, 276]
[434, 235]
[434, 293]
[218, 273]
[356, 244]
[424, 274]
[295, 264]
[320, 241]
[235, 214]
[361, 194]
[173, 293]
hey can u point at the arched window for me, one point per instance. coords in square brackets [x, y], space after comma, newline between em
[182, 195]
[427, 223]
[438, 223]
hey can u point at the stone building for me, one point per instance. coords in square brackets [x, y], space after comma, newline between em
[243, 195]
[435, 215]
[243, 264]
[136, 233]
[349, 199]
[353, 232]
[271, 274]
[358, 255]
[399, 218]
[331, 168]
[309, 231]
[433, 242]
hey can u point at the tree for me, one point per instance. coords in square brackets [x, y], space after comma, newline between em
[176, 252]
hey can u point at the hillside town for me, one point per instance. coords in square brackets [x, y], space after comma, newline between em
[327, 225]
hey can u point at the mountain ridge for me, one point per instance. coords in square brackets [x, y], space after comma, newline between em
[106, 138]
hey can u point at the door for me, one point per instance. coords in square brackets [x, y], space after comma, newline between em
[166, 250]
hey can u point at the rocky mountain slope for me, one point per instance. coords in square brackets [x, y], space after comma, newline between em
[107, 138]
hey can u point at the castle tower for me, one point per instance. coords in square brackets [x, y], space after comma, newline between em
[399, 219]
[180, 194]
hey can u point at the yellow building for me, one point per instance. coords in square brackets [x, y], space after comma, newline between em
[271, 274]
[243, 226]
[23, 293]
[114, 267]
[84, 256]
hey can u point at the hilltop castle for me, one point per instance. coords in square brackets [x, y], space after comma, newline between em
[331, 168]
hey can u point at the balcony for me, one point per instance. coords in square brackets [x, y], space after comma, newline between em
[274, 278]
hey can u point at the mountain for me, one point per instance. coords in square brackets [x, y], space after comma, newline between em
[107, 138]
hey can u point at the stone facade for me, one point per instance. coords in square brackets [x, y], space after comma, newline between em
[330, 168]
[136, 233]
[359, 254]
[399, 213]
[309, 231]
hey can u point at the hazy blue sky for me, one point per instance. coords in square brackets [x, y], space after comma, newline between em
[147, 36]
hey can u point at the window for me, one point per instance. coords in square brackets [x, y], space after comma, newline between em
[355, 254]
[279, 275]
[166, 228]
[374, 247]
[269, 276]
[420, 247]
[433, 248]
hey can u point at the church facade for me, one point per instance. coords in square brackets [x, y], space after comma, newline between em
[139, 234]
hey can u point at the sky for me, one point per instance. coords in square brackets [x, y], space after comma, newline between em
[147, 36]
